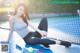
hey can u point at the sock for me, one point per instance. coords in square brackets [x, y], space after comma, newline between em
[58, 42]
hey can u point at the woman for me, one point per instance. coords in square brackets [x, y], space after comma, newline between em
[20, 22]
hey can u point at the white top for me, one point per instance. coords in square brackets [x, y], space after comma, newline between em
[20, 27]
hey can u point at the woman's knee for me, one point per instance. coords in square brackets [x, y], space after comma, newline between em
[44, 19]
[44, 22]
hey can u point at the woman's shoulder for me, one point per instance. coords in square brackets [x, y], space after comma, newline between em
[11, 18]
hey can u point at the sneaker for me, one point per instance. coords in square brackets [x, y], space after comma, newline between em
[46, 46]
[65, 43]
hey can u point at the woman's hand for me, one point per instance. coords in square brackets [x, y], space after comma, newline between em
[43, 33]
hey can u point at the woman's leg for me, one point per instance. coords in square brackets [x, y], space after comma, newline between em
[42, 26]
[30, 39]
[29, 35]
[46, 42]
[35, 38]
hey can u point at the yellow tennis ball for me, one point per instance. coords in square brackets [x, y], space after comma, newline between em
[30, 49]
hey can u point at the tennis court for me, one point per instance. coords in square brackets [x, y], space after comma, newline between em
[61, 28]
[63, 21]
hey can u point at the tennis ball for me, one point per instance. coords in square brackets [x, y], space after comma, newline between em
[30, 49]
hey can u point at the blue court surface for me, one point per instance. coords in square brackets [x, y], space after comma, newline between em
[56, 49]
[62, 28]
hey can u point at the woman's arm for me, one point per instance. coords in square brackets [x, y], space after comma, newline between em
[36, 28]
[11, 27]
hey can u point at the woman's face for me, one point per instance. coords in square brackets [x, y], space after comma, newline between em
[20, 11]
